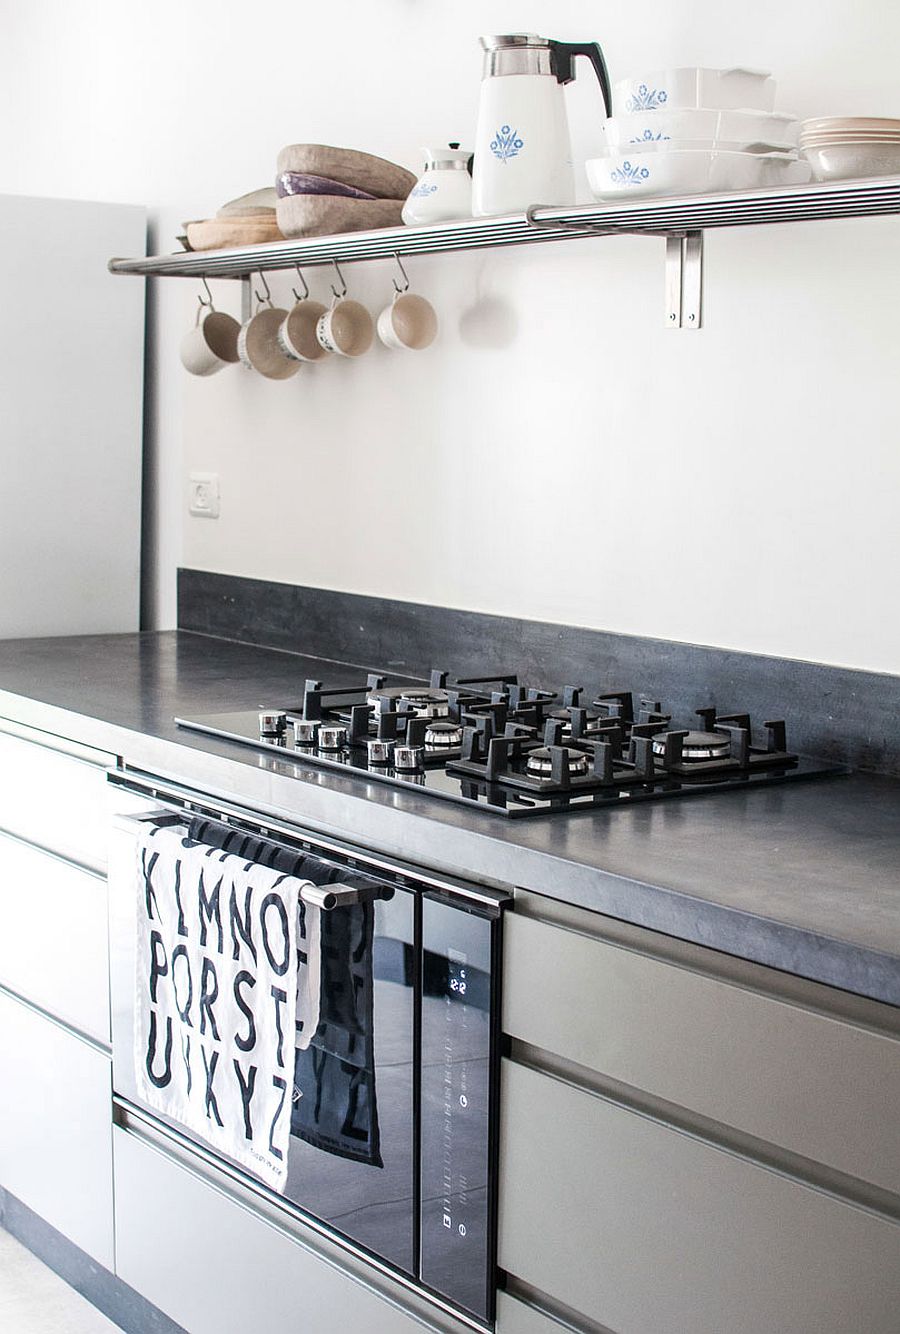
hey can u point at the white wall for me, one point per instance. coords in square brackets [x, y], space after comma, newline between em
[558, 453]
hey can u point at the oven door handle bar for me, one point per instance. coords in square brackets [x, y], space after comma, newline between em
[267, 852]
[329, 897]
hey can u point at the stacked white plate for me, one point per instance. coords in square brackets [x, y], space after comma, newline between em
[695, 131]
[838, 148]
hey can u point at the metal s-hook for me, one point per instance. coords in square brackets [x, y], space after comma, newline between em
[267, 299]
[339, 295]
[400, 290]
[209, 300]
[297, 296]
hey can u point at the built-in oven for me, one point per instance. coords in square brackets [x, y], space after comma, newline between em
[393, 1129]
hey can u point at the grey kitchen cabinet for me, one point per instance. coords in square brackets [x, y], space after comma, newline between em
[54, 942]
[646, 1228]
[55, 1126]
[55, 1067]
[190, 1244]
[53, 794]
[518, 1317]
[691, 1142]
[792, 1063]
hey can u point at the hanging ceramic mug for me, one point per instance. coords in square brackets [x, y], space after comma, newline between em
[258, 346]
[409, 323]
[212, 344]
[297, 333]
[347, 327]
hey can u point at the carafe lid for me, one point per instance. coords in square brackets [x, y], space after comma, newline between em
[453, 155]
[513, 39]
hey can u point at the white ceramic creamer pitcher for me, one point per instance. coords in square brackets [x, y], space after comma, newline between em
[522, 151]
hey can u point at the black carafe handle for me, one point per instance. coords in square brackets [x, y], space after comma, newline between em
[563, 54]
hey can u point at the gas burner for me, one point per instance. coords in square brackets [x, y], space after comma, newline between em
[540, 762]
[592, 721]
[423, 701]
[440, 735]
[699, 746]
[492, 744]
[574, 718]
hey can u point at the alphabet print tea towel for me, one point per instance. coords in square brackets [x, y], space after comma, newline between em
[216, 1004]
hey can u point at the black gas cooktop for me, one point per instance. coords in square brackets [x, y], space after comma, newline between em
[516, 750]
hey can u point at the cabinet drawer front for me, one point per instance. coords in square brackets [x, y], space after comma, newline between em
[515, 1317]
[216, 1268]
[644, 1228]
[54, 947]
[53, 800]
[814, 1084]
[55, 1127]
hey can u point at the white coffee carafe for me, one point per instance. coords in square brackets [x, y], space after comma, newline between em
[522, 151]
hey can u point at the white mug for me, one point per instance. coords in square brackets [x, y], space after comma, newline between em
[346, 328]
[212, 344]
[297, 334]
[409, 323]
[258, 346]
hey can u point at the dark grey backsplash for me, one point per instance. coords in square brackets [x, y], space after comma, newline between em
[832, 712]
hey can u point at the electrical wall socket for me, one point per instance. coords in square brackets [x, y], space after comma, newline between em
[204, 494]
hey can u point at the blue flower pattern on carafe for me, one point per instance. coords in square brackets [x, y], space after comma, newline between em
[506, 144]
[647, 99]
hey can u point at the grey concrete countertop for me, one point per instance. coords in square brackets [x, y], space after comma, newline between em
[804, 877]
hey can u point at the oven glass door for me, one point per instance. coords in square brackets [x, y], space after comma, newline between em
[367, 1114]
[352, 1151]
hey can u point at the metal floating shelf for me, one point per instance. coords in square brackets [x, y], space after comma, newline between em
[681, 220]
[799, 203]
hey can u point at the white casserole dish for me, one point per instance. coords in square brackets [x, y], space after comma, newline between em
[690, 86]
[738, 129]
[687, 171]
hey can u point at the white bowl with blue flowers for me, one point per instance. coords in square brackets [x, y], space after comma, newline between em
[704, 126]
[630, 174]
[691, 86]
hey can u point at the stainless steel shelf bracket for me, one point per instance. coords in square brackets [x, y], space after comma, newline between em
[684, 264]
[684, 280]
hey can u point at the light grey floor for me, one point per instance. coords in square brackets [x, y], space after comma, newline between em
[34, 1300]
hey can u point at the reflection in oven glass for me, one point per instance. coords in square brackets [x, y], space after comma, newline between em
[351, 1160]
[335, 1105]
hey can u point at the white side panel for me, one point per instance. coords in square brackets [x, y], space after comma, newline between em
[71, 418]
[55, 1127]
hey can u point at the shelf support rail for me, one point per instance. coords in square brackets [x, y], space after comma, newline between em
[684, 263]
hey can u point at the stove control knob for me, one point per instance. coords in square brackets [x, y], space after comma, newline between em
[332, 737]
[272, 722]
[379, 750]
[407, 759]
[305, 732]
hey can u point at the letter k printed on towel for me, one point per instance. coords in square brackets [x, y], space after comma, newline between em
[216, 996]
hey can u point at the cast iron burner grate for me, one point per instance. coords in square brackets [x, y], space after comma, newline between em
[513, 749]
